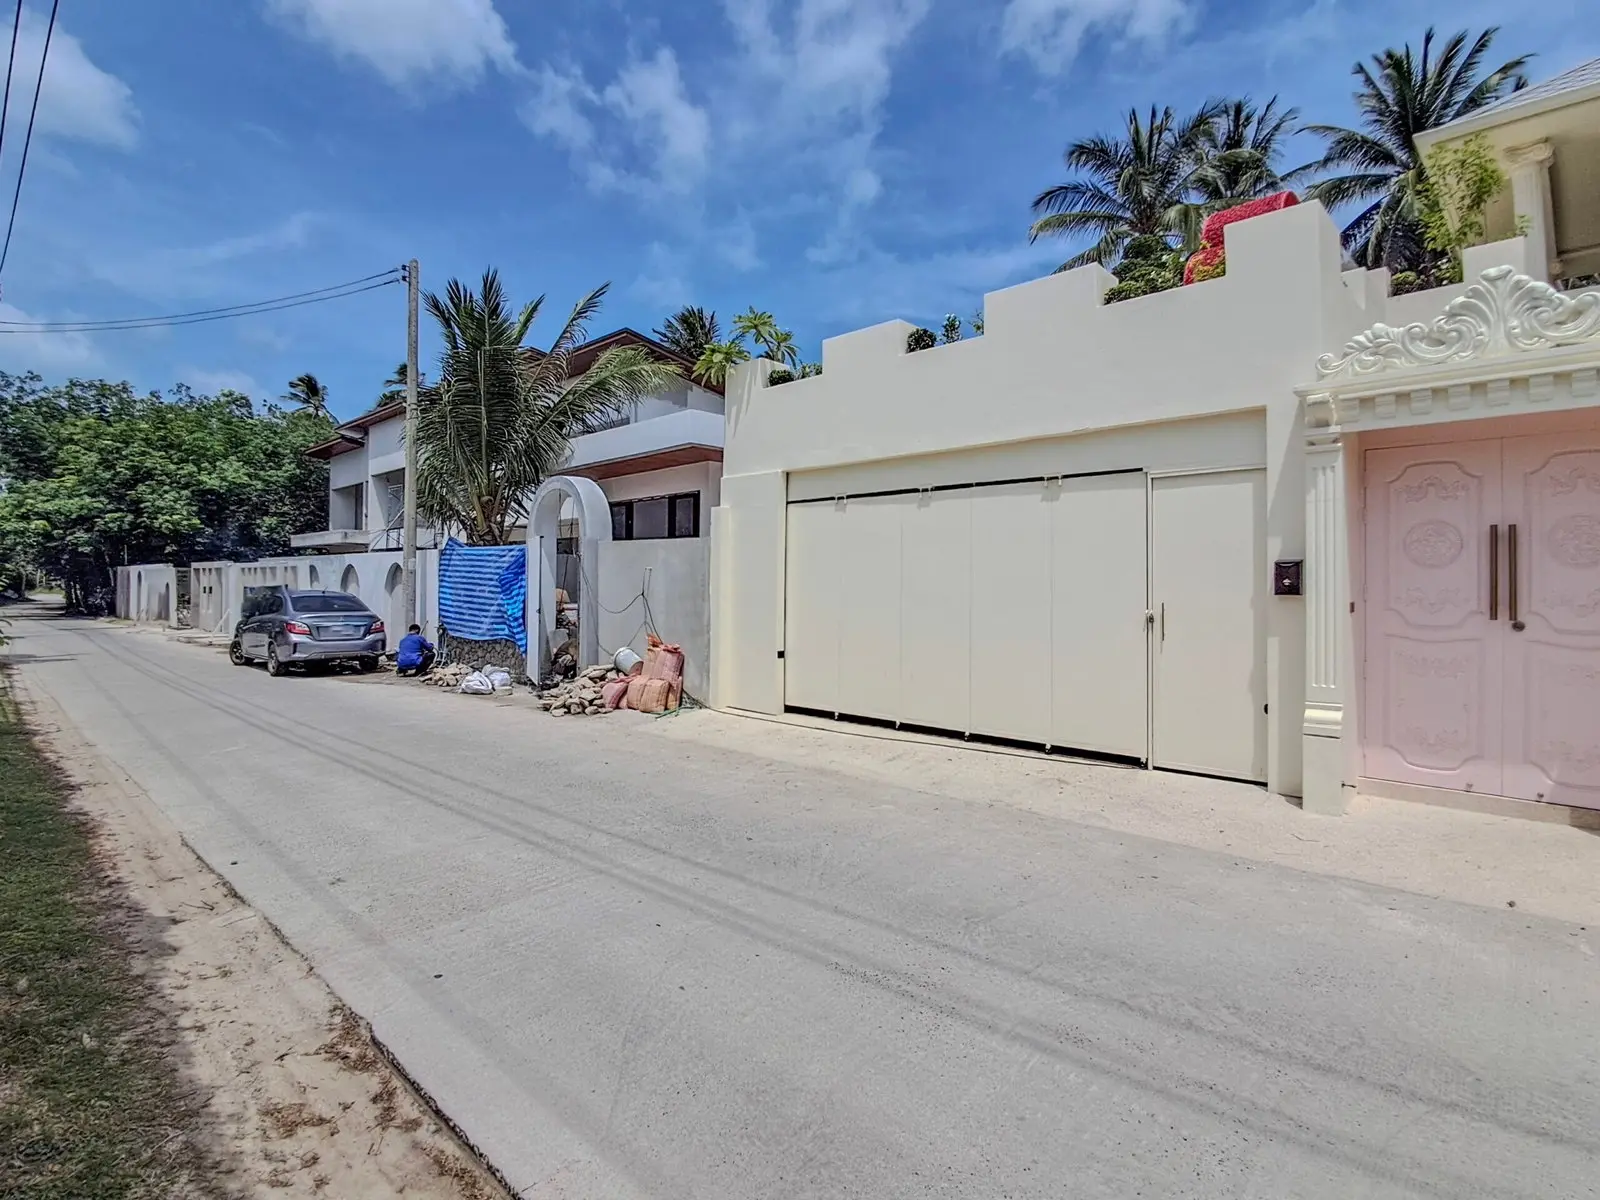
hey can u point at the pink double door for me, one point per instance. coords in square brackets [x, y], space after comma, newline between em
[1482, 625]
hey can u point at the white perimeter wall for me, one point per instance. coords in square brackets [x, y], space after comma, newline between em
[147, 592]
[1054, 363]
[374, 577]
[671, 574]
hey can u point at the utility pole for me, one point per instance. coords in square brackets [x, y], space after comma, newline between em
[409, 562]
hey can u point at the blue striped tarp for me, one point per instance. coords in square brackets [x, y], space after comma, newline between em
[483, 592]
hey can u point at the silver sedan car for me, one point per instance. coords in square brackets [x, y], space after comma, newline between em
[284, 627]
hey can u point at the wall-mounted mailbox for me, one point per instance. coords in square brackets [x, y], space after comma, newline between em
[1286, 573]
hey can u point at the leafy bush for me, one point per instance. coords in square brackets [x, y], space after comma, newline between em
[1148, 265]
[921, 339]
[1441, 272]
[1457, 184]
[1211, 269]
[807, 370]
[779, 375]
[951, 332]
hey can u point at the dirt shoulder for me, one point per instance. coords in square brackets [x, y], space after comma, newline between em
[183, 1048]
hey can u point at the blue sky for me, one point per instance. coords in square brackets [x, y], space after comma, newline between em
[839, 162]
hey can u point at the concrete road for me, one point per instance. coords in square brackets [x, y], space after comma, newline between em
[633, 968]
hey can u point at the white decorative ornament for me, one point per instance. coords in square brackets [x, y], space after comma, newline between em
[1502, 313]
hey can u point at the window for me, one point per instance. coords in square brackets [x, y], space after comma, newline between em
[327, 602]
[656, 517]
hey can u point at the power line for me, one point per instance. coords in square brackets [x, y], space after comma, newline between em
[392, 275]
[200, 319]
[5, 106]
[27, 141]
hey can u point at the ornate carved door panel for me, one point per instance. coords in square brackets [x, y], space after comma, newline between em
[1433, 711]
[1552, 636]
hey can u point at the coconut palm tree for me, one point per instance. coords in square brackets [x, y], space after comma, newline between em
[762, 329]
[1401, 95]
[1146, 182]
[689, 331]
[306, 391]
[717, 359]
[501, 415]
[1240, 152]
[780, 347]
[755, 325]
[394, 387]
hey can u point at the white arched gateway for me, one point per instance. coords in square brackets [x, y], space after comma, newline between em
[1453, 553]
[593, 513]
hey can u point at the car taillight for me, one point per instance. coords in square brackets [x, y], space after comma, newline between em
[377, 627]
[296, 627]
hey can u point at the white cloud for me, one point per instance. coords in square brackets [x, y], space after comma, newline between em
[211, 383]
[32, 350]
[555, 110]
[199, 270]
[251, 332]
[661, 283]
[815, 85]
[662, 137]
[77, 99]
[650, 98]
[789, 120]
[407, 41]
[1050, 32]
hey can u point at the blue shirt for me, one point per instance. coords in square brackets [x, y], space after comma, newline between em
[410, 652]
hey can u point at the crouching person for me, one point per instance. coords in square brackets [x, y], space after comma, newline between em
[415, 654]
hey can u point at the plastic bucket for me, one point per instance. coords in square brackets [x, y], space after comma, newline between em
[626, 661]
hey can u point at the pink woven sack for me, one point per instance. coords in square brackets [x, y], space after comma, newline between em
[663, 661]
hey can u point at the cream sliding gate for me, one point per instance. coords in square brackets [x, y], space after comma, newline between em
[1014, 610]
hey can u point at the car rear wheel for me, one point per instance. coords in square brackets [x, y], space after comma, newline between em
[236, 654]
[274, 664]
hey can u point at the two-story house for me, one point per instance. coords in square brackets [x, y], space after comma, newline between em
[660, 464]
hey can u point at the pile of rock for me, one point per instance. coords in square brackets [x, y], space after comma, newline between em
[579, 697]
[449, 676]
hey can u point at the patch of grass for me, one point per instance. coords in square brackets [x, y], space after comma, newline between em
[91, 1107]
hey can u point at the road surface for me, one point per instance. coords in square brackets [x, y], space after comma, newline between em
[628, 966]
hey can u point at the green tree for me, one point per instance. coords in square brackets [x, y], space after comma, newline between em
[1148, 265]
[1144, 183]
[306, 391]
[762, 328]
[689, 331]
[99, 477]
[1402, 94]
[781, 348]
[717, 359]
[501, 416]
[1240, 151]
[756, 325]
[394, 387]
[1456, 187]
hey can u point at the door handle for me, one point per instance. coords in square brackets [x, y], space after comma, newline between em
[1494, 572]
[1511, 578]
[1163, 620]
